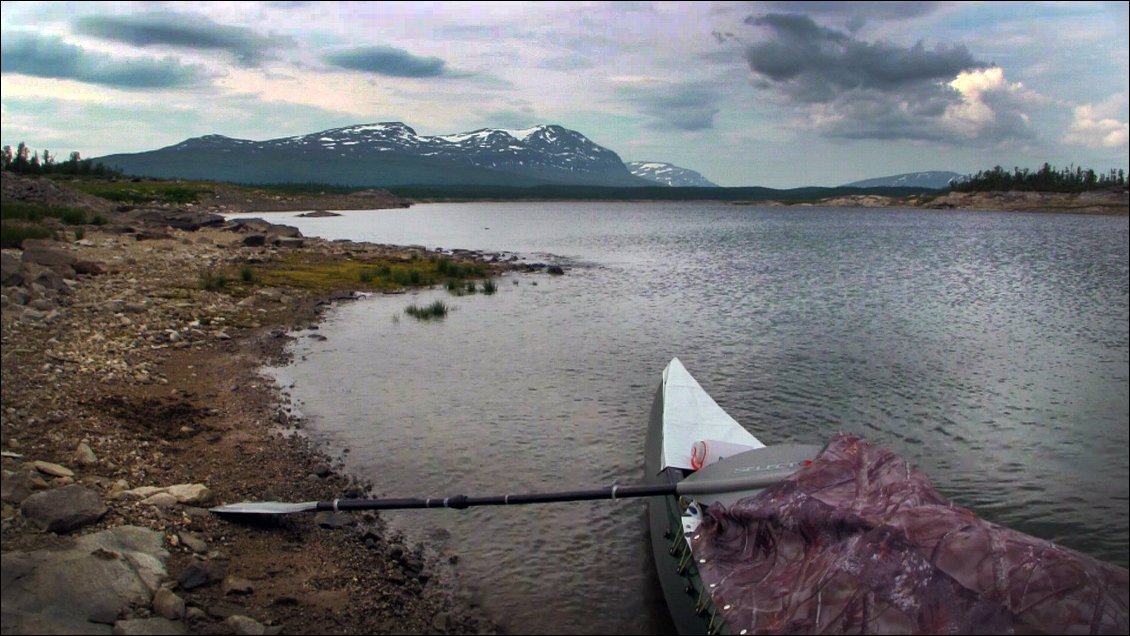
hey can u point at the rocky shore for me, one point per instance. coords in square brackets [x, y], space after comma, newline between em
[1108, 202]
[132, 401]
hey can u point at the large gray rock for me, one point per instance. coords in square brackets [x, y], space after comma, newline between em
[10, 268]
[82, 586]
[63, 509]
[147, 626]
[15, 486]
[49, 254]
[181, 219]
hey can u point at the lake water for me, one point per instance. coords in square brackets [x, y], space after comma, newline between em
[989, 349]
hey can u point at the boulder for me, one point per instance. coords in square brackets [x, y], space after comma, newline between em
[83, 585]
[144, 626]
[63, 509]
[11, 268]
[49, 254]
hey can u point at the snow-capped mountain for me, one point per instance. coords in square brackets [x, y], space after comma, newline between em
[935, 179]
[390, 153]
[668, 174]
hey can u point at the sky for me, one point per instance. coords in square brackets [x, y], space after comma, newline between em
[775, 94]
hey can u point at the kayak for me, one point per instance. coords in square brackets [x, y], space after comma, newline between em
[691, 438]
[844, 537]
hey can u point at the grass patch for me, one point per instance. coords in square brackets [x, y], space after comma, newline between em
[212, 281]
[489, 288]
[15, 210]
[143, 191]
[386, 274]
[435, 311]
[14, 232]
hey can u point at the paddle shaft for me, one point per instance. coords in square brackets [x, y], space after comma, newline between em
[459, 502]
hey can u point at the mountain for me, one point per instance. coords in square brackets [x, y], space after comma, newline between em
[390, 154]
[668, 174]
[936, 180]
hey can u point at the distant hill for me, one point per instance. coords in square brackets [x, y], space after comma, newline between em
[390, 154]
[669, 175]
[934, 180]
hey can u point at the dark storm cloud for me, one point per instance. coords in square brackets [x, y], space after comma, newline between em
[182, 31]
[385, 60]
[29, 54]
[811, 63]
[855, 89]
[681, 107]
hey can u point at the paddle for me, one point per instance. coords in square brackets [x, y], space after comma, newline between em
[460, 502]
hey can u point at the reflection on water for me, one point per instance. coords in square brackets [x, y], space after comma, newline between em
[988, 349]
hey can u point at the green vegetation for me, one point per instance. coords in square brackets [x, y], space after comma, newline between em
[13, 233]
[19, 221]
[1046, 179]
[141, 192]
[212, 281]
[379, 274]
[489, 288]
[434, 311]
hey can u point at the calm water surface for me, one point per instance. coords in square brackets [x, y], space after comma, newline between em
[991, 350]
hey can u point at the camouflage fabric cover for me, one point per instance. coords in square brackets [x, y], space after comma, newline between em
[860, 542]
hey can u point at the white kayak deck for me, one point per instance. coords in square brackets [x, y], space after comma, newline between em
[690, 415]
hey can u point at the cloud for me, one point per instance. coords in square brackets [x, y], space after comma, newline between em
[990, 106]
[181, 31]
[856, 13]
[1096, 126]
[849, 88]
[689, 106]
[386, 60]
[811, 63]
[53, 58]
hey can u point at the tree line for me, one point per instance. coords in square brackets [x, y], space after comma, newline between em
[1046, 179]
[24, 161]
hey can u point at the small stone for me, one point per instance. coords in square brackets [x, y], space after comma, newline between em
[442, 622]
[191, 494]
[236, 585]
[201, 573]
[193, 541]
[55, 470]
[244, 625]
[84, 455]
[334, 520]
[168, 604]
[160, 500]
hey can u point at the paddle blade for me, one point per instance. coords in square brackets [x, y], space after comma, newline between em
[264, 508]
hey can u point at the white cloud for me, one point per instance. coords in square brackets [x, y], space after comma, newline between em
[988, 102]
[1097, 126]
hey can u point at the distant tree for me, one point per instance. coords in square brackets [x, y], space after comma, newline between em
[24, 160]
[1046, 179]
[6, 158]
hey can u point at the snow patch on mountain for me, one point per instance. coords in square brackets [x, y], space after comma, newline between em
[669, 175]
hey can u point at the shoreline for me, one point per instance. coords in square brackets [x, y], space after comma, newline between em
[123, 375]
[131, 378]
